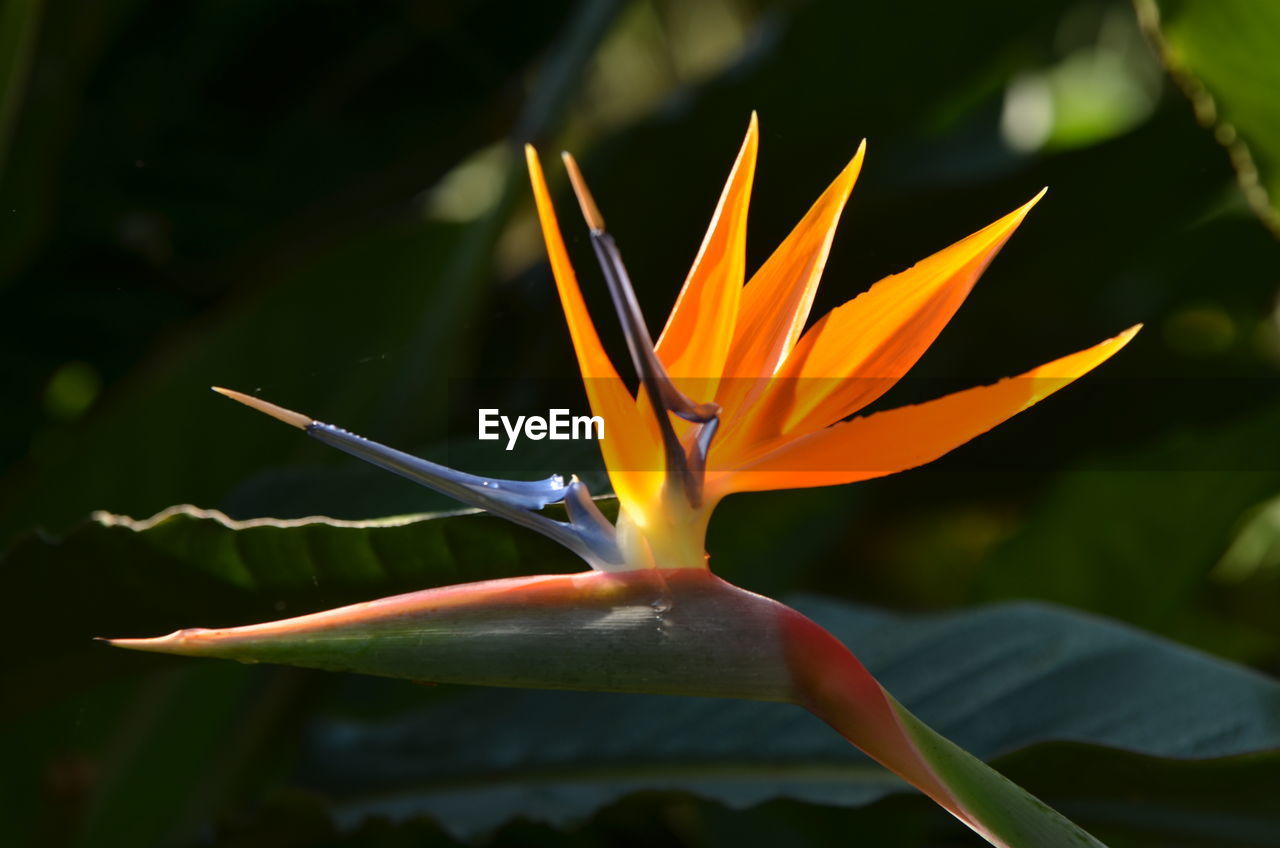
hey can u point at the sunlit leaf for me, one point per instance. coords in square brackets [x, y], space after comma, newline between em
[1223, 54]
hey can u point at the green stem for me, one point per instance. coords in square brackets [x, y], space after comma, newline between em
[835, 686]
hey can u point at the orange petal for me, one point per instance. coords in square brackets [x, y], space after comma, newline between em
[776, 303]
[858, 351]
[898, 439]
[696, 340]
[631, 446]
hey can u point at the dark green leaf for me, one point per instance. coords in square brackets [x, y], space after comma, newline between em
[994, 680]
[1137, 538]
[367, 284]
[19, 22]
[186, 567]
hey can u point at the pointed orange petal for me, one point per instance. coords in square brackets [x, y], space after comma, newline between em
[776, 302]
[631, 445]
[898, 439]
[696, 340]
[858, 351]
[592, 358]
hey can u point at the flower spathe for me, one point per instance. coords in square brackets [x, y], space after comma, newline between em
[734, 396]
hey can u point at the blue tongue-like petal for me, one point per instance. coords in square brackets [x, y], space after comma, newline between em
[587, 533]
[513, 494]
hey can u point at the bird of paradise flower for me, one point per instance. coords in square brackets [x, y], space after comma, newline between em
[774, 413]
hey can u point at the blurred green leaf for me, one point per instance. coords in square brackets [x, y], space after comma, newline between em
[19, 22]
[995, 680]
[1223, 53]
[1182, 804]
[115, 577]
[211, 716]
[1106, 83]
[1136, 538]
[1255, 550]
[1133, 801]
[168, 431]
[337, 271]
[149, 761]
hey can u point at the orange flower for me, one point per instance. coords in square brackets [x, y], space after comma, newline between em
[782, 392]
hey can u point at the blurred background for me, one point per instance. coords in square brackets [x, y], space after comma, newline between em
[325, 202]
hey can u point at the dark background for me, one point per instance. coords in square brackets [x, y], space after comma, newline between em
[325, 202]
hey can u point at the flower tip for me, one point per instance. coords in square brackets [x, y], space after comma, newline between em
[531, 158]
[127, 644]
[1009, 222]
[130, 644]
[750, 145]
[1106, 349]
[288, 416]
[1125, 337]
[843, 184]
[590, 211]
[1030, 204]
[855, 164]
[174, 643]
